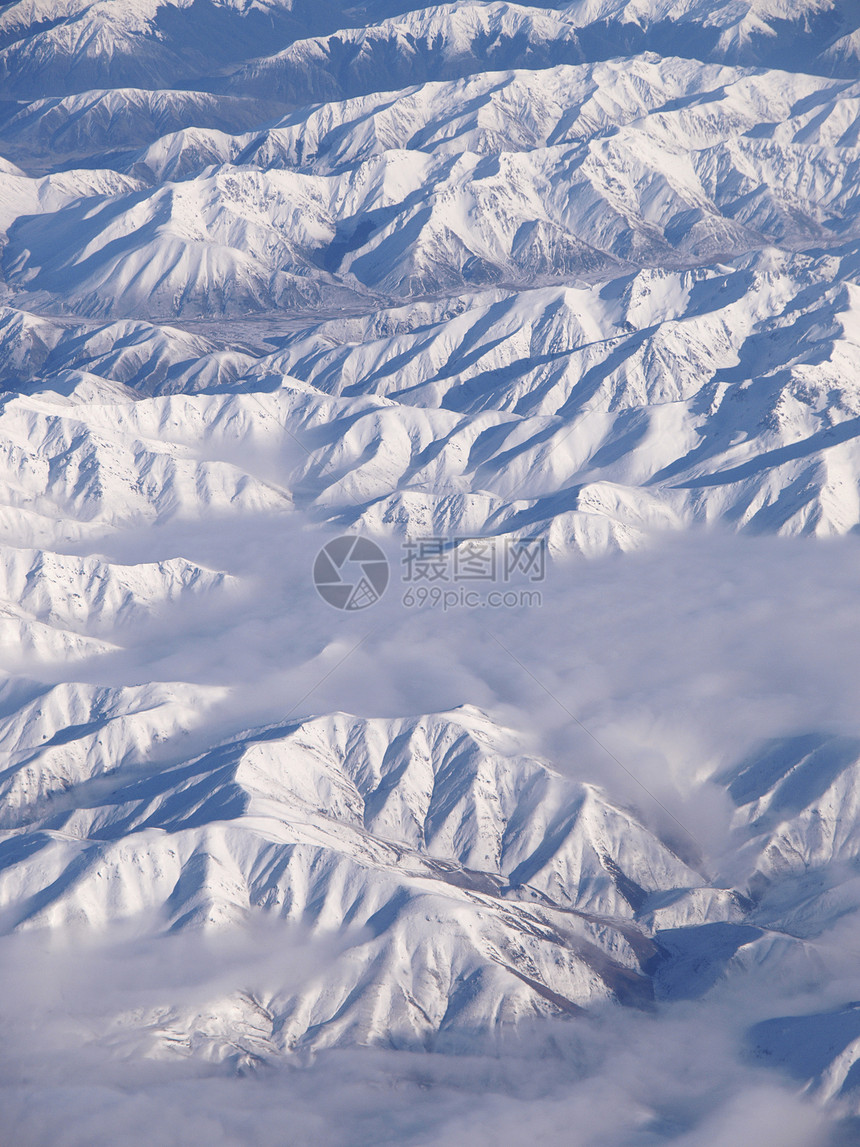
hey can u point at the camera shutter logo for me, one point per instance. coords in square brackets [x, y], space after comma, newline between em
[351, 573]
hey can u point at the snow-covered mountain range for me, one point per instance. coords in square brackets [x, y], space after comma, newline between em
[584, 273]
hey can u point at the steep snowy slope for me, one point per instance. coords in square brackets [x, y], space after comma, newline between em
[432, 43]
[102, 123]
[570, 188]
[522, 111]
[442, 41]
[591, 415]
[425, 836]
[49, 48]
[806, 35]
